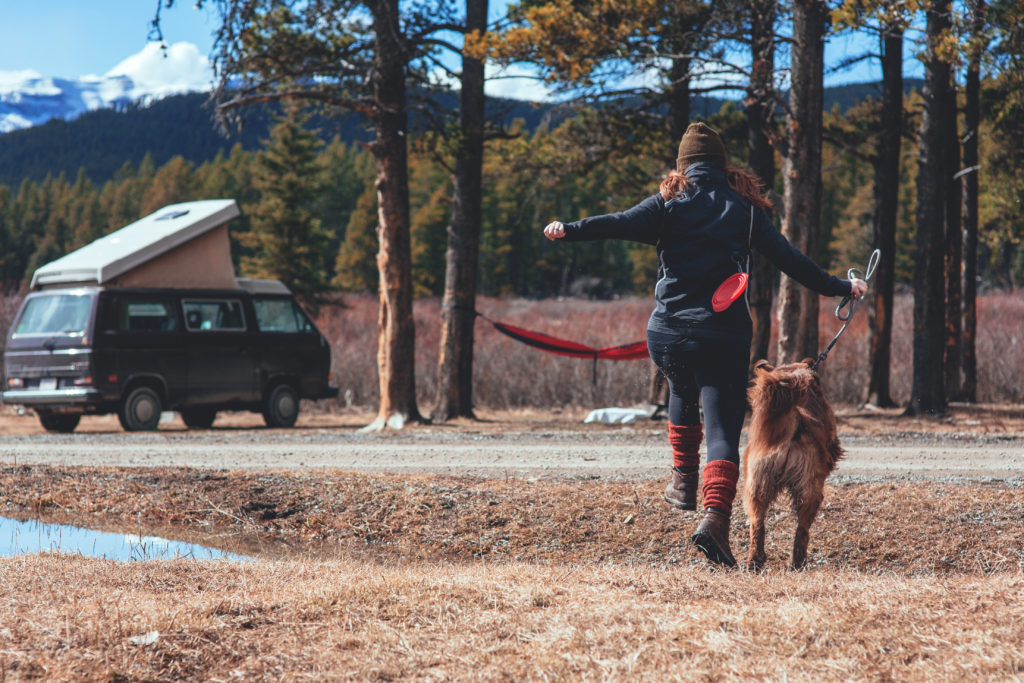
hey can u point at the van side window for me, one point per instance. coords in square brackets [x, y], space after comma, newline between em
[213, 314]
[280, 315]
[146, 314]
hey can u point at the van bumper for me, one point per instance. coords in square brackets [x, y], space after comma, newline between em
[53, 397]
[329, 392]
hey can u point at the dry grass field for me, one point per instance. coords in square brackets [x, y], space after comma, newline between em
[68, 618]
[396, 577]
[428, 577]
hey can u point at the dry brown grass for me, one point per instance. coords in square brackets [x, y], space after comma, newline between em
[508, 374]
[910, 528]
[69, 618]
[388, 577]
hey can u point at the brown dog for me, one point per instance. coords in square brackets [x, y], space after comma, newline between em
[792, 446]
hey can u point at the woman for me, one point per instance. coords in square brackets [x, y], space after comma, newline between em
[703, 222]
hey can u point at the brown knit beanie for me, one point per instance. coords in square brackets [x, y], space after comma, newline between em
[700, 143]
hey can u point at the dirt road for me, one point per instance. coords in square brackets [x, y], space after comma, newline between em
[499, 447]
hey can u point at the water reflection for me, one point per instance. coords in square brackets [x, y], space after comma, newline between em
[19, 538]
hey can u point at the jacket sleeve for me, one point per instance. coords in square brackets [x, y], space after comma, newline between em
[642, 223]
[794, 263]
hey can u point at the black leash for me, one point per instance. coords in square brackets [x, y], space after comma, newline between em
[849, 301]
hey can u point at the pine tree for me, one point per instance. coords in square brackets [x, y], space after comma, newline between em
[356, 266]
[288, 240]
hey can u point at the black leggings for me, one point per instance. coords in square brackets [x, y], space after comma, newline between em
[713, 371]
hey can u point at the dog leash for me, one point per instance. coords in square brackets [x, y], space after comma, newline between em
[849, 301]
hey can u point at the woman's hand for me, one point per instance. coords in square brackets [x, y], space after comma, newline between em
[554, 230]
[858, 288]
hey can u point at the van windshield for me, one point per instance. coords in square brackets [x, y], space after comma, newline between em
[56, 314]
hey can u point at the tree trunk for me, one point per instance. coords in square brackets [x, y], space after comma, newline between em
[952, 355]
[887, 189]
[678, 102]
[927, 394]
[455, 356]
[798, 306]
[761, 159]
[972, 117]
[396, 340]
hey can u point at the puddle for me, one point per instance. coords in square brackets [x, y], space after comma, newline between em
[20, 538]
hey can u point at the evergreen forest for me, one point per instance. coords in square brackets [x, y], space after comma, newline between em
[534, 176]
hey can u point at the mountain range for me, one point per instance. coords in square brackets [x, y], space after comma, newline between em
[50, 126]
[29, 99]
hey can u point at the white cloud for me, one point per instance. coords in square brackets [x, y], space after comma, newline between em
[516, 82]
[157, 71]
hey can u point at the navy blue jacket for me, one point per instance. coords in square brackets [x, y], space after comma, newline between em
[702, 237]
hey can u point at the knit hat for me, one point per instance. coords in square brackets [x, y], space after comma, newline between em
[700, 143]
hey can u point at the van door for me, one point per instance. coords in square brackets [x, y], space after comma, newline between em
[291, 346]
[221, 358]
[144, 339]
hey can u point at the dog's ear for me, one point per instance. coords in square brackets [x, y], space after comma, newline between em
[808, 362]
[762, 366]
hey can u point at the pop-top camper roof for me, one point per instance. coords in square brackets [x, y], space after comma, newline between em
[181, 245]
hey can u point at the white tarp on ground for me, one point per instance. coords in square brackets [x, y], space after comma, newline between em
[181, 245]
[616, 415]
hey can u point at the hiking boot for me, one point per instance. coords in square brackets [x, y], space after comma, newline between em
[712, 537]
[682, 490]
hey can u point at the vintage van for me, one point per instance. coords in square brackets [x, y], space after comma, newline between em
[116, 342]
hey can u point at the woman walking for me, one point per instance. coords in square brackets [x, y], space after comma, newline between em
[703, 222]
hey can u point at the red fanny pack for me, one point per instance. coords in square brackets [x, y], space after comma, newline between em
[728, 292]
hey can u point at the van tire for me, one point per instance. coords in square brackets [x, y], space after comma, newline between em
[140, 410]
[281, 406]
[62, 423]
[198, 418]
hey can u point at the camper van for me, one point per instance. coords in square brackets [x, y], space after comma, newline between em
[151, 318]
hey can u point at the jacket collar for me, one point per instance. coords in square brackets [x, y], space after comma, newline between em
[705, 171]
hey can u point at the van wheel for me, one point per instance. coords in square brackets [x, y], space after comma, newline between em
[62, 423]
[140, 410]
[281, 406]
[198, 418]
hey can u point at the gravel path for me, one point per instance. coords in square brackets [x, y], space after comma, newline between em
[497, 451]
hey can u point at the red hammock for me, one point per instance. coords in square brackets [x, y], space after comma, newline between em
[563, 347]
[568, 348]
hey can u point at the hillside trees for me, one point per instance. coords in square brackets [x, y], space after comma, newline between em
[287, 240]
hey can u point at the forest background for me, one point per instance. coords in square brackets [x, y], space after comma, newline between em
[570, 164]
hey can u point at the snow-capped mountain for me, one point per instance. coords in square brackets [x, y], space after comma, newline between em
[28, 98]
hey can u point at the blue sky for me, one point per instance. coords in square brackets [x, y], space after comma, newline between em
[74, 38]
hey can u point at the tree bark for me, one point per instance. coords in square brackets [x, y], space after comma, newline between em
[972, 118]
[927, 394]
[798, 306]
[952, 354]
[396, 340]
[887, 188]
[455, 356]
[761, 159]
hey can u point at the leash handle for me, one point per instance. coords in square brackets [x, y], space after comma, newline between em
[856, 274]
[849, 303]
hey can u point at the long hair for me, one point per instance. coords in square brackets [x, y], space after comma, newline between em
[744, 181]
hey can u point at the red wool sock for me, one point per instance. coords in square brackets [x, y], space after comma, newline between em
[719, 489]
[685, 444]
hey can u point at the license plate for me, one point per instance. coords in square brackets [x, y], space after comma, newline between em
[48, 383]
